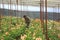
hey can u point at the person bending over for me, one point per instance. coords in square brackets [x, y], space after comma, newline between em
[27, 20]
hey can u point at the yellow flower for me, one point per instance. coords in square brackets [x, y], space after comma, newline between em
[7, 33]
[2, 38]
[33, 37]
[13, 28]
[23, 37]
[58, 35]
[38, 39]
[37, 20]
[33, 34]
[29, 31]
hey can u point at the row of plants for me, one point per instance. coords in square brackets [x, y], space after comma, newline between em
[13, 28]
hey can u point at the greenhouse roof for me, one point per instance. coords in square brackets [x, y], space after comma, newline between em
[27, 8]
[51, 3]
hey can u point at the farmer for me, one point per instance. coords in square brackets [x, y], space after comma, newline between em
[27, 20]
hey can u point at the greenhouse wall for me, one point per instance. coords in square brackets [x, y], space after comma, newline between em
[31, 14]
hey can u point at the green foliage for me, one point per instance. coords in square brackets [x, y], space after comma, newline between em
[16, 29]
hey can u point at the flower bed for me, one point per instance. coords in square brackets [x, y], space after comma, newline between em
[14, 28]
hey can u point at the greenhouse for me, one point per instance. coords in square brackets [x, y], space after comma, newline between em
[29, 19]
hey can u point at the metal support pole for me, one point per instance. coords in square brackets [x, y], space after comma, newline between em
[42, 14]
[2, 10]
[53, 16]
[17, 10]
[10, 14]
[1, 14]
[58, 13]
[46, 16]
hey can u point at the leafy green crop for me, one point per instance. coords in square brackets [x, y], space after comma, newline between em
[12, 29]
